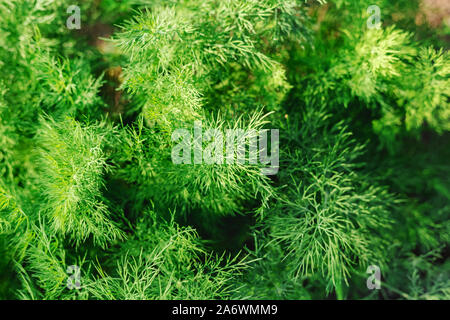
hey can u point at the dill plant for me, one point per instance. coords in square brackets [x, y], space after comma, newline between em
[87, 179]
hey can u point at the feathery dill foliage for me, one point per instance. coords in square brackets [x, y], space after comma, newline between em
[87, 178]
[166, 261]
[73, 165]
[209, 188]
[332, 219]
[179, 56]
[382, 70]
[69, 87]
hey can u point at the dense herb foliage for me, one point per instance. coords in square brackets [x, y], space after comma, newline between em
[88, 182]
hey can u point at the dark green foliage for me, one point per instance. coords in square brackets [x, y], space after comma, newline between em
[332, 219]
[87, 178]
[166, 261]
